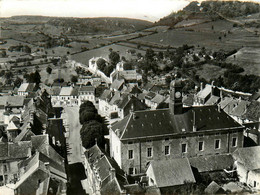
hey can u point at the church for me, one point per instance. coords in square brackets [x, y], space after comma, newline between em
[176, 132]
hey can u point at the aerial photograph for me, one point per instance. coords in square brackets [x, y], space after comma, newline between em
[130, 97]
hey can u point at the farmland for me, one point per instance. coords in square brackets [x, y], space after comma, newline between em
[84, 57]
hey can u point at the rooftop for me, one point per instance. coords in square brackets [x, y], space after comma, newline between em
[172, 172]
[141, 124]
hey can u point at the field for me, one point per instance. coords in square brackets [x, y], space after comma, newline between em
[249, 59]
[65, 73]
[209, 71]
[203, 35]
[84, 57]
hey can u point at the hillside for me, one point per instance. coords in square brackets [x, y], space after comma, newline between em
[210, 10]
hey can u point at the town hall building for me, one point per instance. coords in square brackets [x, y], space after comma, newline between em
[177, 132]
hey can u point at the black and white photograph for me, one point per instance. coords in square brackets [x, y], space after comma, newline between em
[129, 97]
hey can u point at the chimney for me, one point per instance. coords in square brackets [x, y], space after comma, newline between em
[112, 173]
[219, 108]
[221, 94]
[44, 129]
[105, 147]
[194, 128]
[212, 87]
[201, 85]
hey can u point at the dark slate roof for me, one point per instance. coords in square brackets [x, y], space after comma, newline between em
[161, 122]
[17, 150]
[172, 172]
[103, 163]
[15, 101]
[75, 91]
[214, 188]
[87, 89]
[107, 94]
[148, 86]
[249, 157]
[150, 95]
[212, 162]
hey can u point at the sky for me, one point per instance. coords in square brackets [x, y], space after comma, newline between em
[151, 10]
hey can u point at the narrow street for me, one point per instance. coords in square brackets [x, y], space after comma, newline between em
[76, 170]
[71, 117]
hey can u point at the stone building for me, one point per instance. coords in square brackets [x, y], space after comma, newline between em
[149, 135]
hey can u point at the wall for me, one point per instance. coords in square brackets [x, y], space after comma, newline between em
[254, 177]
[115, 147]
[139, 148]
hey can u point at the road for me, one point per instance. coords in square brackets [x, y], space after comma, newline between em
[71, 117]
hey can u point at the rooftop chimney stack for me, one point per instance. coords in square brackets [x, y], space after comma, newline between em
[194, 128]
[112, 173]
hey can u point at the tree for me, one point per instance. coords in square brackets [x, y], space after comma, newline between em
[128, 66]
[18, 81]
[49, 70]
[92, 132]
[74, 79]
[114, 58]
[149, 54]
[101, 63]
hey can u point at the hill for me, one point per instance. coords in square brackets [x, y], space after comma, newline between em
[78, 25]
[211, 10]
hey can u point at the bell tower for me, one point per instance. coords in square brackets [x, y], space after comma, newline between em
[175, 104]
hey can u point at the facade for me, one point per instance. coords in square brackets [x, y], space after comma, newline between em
[248, 166]
[104, 175]
[86, 93]
[25, 89]
[150, 135]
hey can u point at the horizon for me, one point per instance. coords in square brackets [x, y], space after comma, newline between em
[149, 10]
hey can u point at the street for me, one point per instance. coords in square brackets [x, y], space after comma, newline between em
[71, 118]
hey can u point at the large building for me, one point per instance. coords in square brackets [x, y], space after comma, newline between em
[145, 136]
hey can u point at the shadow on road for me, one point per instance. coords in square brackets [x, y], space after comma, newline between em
[76, 173]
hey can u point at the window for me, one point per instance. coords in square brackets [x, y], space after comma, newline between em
[183, 137]
[167, 139]
[131, 171]
[149, 140]
[130, 154]
[5, 168]
[217, 144]
[254, 184]
[217, 134]
[234, 142]
[167, 150]
[149, 152]
[130, 142]
[183, 148]
[201, 146]
[201, 135]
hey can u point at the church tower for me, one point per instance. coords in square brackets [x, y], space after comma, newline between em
[175, 104]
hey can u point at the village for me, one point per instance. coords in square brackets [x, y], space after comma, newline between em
[159, 140]
[124, 106]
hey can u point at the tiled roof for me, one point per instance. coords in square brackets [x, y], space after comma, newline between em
[161, 122]
[240, 109]
[117, 84]
[214, 188]
[55, 91]
[150, 95]
[148, 86]
[253, 111]
[87, 89]
[106, 94]
[66, 91]
[249, 157]
[212, 100]
[26, 87]
[158, 99]
[172, 172]
[15, 101]
[17, 150]
[212, 162]
[224, 102]
[204, 92]
[75, 91]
